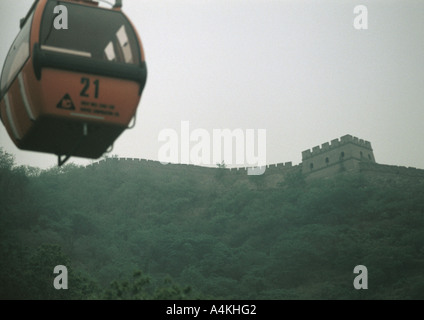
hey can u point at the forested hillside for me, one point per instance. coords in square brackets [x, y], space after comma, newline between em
[128, 232]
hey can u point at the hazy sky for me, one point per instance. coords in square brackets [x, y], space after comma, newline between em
[298, 69]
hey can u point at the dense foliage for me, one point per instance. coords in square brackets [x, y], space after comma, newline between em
[131, 232]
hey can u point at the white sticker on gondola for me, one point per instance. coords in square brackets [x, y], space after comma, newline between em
[124, 43]
[86, 116]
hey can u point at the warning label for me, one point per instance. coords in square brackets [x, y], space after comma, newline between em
[66, 103]
[99, 108]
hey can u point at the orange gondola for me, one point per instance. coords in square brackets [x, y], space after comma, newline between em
[73, 78]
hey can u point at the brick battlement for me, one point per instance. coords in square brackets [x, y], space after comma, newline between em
[269, 167]
[369, 167]
[347, 154]
[334, 144]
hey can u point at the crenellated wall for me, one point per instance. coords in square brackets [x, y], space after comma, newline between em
[336, 144]
[347, 154]
[270, 169]
[336, 156]
[384, 169]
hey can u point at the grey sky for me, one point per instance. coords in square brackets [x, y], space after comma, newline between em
[298, 69]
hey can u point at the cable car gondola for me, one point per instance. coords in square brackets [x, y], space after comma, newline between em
[72, 91]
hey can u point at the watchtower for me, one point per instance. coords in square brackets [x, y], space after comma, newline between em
[338, 155]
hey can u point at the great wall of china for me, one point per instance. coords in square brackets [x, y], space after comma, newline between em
[345, 155]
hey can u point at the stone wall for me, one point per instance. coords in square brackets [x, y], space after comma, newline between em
[345, 155]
